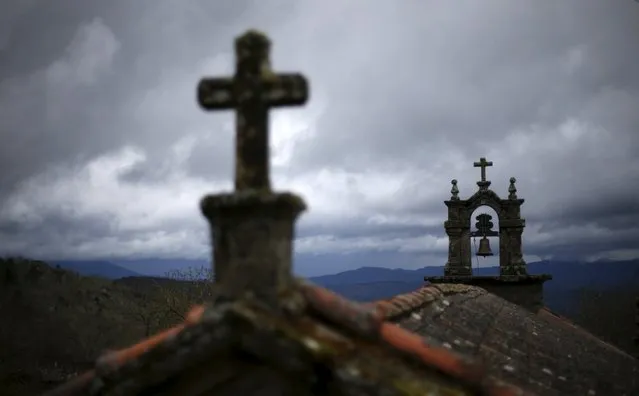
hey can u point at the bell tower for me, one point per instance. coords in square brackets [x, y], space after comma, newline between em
[513, 283]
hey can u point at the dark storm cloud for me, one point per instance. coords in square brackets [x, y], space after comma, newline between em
[475, 82]
[56, 121]
[404, 98]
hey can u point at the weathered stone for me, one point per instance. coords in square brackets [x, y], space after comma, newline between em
[252, 229]
[541, 351]
[252, 234]
[511, 226]
[252, 91]
[483, 164]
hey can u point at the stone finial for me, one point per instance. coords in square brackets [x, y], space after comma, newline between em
[454, 191]
[252, 228]
[512, 190]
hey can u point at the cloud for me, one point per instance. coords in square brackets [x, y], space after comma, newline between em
[107, 153]
[44, 114]
[89, 55]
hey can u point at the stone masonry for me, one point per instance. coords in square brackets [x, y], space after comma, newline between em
[512, 267]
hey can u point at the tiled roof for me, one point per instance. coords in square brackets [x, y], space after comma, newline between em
[360, 350]
[463, 339]
[563, 322]
[542, 352]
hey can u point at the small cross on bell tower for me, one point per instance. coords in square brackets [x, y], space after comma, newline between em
[252, 228]
[483, 183]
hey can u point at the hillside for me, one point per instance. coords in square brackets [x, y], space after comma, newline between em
[61, 321]
[104, 269]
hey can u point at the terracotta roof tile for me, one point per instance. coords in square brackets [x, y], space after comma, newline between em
[405, 304]
[468, 335]
[369, 320]
[363, 320]
[118, 358]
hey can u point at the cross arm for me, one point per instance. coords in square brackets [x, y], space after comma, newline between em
[482, 164]
[216, 93]
[274, 90]
[289, 89]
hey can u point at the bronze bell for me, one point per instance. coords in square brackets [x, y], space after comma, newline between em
[484, 248]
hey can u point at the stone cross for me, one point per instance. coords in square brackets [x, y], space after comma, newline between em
[252, 228]
[483, 164]
[252, 91]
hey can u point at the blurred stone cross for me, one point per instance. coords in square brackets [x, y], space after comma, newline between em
[252, 91]
[483, 164]
[253, 228]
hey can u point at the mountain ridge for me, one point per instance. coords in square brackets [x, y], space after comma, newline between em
[367, 283]
[567, 275]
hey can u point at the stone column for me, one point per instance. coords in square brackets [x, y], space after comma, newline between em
[454, 265]
[252, 234]
[467, 251]
[458, 264]
[511, 258]
[504, 250]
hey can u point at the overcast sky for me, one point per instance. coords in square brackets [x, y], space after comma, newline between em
[105, 152]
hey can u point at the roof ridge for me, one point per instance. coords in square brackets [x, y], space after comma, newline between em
[406, 303]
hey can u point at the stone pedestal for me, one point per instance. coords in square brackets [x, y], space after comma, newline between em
[252, 234]
[524, 290]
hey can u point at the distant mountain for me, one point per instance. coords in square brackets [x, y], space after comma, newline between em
[567, 275]
[373, 290]
[598, 275]
[371, 283]
[376, 274]
[102, 269]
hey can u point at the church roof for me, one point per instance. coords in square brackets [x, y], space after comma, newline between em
[541, 352]
[447, 338]
[328, 346]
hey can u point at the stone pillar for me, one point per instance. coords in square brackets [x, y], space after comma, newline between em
[511, 260]
[252, 234]
[504, 250]
[511, 257]
[467, 251]
[458, 263]
[511, 227]
[454, 265]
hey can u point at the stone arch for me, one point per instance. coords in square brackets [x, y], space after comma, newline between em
[488, 198]
[494, 241]
[459, 223]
